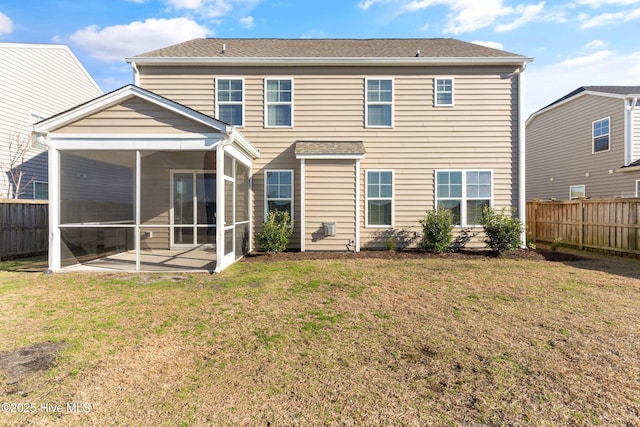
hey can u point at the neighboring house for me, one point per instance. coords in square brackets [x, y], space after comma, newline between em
[586, 144]
[36, 81]
[355, 138]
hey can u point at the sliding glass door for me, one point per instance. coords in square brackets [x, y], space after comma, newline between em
[193, 207]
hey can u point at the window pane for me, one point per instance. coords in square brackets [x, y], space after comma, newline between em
[279, 115]
[231, 114]
[453, 206]
[455, 190]
[379, 115]
[379, 212]
[455, 177]
[474, 211]
[443, 191]
[279, 205]
[601, 144]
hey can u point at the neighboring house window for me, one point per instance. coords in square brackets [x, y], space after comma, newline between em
[465, 193]
[379, 198]
[637, 188]
[279, 191]
[229, 101]
[577, 192]
[379, 108]
[40, 190]
[279, 103]
[444, 92]
[35, 118]
[601, 135]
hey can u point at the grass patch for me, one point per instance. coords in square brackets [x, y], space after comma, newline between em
[374, 342]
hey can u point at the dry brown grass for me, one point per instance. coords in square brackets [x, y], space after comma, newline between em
[436, 341]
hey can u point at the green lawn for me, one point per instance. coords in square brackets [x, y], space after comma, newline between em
[434, 341]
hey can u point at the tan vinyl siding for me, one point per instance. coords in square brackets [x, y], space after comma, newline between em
[479, 132]
[330, 197]
[134, 116]
[560, 146]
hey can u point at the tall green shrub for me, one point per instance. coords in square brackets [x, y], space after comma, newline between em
[275, 232]
[502, 230]
[437, 226]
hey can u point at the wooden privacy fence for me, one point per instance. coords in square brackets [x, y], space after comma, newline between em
[601, 224]
[24, 228]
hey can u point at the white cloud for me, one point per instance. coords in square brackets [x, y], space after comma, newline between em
[596, 44]
[6, 25]
[211, 8]
[598, 3]
[119, 41]
[314, 34]
[492, 45]
[611, 18]
[366, 4]
[527, 13]
[551, 82]
[247, 21]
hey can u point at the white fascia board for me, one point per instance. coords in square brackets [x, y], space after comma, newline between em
[265, 62]
[330, 156]
[121, 95]
[239, 155]
[244, 144]
[162, 142]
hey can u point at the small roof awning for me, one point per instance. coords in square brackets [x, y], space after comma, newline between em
[339, 150]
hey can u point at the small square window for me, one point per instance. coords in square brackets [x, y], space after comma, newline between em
[443, 92]
[577, 192]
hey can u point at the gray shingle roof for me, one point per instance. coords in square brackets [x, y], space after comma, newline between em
[327, 48]
[616, 90]
[329, 147]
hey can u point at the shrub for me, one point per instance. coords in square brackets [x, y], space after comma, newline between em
[391, 245]
[503, 231]
[436, 231]
[556, 244]
[275, 232]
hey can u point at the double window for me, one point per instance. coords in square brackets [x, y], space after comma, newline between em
[443, 96]
[230, 101]
[278, 102]
[465, 193]
[379, 198]
[279, 192]
[379, 108]
[601, 132]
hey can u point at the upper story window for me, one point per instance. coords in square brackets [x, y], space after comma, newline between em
[465, 193]
[230, 101]
[278, 103]
[601, 132]
[379, 108]
[443, 96]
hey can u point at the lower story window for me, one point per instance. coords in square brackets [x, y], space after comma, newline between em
[465, 193]
[577, 192]
[380, 198]
[40, 190]
[279, 192]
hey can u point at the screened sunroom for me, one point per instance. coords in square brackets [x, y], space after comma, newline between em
[140, 183]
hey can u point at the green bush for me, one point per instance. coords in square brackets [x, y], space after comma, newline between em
[503, 231]
[275, 232]
[436, 231]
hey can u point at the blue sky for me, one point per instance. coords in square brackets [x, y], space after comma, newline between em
[574, 43]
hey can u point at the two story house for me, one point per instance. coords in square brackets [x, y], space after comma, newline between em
[36, 81]
[355, 138]
[585, 144]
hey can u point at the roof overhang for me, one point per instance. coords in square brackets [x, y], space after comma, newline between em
[303, 61]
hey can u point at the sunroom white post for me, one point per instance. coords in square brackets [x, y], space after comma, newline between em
[522, 198]
[219, 208]
[137, 219]
[54, 209]
[302, 205]
[357, 236]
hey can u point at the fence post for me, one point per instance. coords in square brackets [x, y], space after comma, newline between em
[534, 219]
[581, 225]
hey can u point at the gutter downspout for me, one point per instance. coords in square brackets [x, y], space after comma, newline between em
[522, 199]
[229, 136]
[136, 74]
[628, 130]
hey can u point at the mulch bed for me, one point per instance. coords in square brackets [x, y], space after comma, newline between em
[539, 254]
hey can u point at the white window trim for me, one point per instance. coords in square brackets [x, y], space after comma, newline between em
[593, 136]
[367, 198]
[266, 103]
[584, 191]
[637, 184]
[367, 103]
[266, 199]
[241, 103]
[34, 189]
[464, 198]
[435, 91]
[35, 117]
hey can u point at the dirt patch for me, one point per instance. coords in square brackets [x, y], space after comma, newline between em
[18, 364]
[522, 254]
